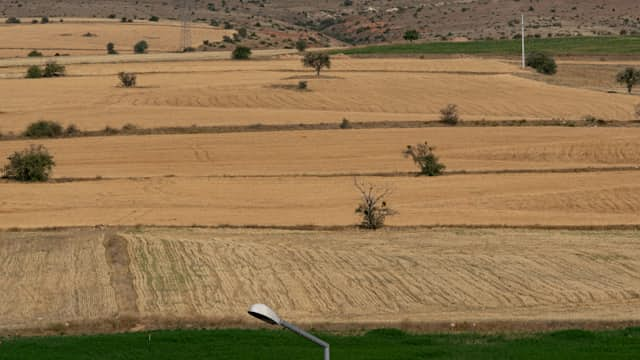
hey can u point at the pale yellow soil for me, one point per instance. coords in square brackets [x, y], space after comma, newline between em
[337, 151]
[221, 96]
[52, 278]
[67, 38]
[344, 278]
[607, 198]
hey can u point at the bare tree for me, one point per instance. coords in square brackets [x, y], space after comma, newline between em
[373, 207]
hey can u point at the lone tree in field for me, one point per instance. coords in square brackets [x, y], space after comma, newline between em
[423, 156]
[141, 47]
[30, 165]
[629, 77]
[241, 53]
[111, 49]
[411, 35]
[301, 45]
[317, 61]
[373, 207]
[127, 80]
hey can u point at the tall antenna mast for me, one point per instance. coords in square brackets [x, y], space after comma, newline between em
[523, 53]
[185, 36]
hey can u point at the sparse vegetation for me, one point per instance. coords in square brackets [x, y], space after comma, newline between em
[449, 115]
[345, 124]
[317, 61]
[111, 49]
[301, 45]
[30, 165]
[241, 53]
[141, 47]
[373, 207]
[424, 157]
[594, 121]
[542, 63]
[53, 69]
[630, 77]
[43, 129]
[34, 72]
[411, 35]
[127, 79]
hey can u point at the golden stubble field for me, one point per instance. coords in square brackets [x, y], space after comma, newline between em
[102, 273]
[69, 37]
[347, 279]
[262, 92]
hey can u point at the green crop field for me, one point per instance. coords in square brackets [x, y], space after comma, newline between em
[611, 45]
[378, 344]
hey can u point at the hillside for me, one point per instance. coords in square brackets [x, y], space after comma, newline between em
[365, 21]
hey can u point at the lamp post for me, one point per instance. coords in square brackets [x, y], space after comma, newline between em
[264, 313]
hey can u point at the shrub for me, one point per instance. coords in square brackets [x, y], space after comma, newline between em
[345, 124]
[141, 47]
[35, 53]
[30, 165]
[542, 63]
[42, 128]
[592, 120]
[423, 156]
[301, 45]
[242, 32]
[111, 49]
[34, 72]
[317, 61]
[71, 130]
[373, 207]
[127, 79]
[12, 20]
[303, 85]
[449, 115]
[411, 35]
[154, 18]
[241, 53]
[53, 69]
[44, 20]
[629, 77]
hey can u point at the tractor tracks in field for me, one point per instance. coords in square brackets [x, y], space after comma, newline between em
[121, 277]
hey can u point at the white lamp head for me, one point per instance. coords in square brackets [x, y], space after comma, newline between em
[264, 313]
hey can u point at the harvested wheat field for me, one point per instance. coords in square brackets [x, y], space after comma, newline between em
[584, 199]
[344, 279]
[339, 152]
[90, 37]
[248, 95]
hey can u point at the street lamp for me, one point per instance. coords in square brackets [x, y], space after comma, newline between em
[264, 313]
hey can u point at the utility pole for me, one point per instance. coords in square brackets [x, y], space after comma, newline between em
[523, 53]
[185, 36]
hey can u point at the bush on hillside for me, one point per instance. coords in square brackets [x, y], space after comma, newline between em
[241, 53]
[449, 115]
[127, 79]
[43, 129]
[542, 63]
[34, 72]
[53, 69]
[30, 165]
[141, 47]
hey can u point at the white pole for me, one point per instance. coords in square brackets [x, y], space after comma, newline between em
[523, 53]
